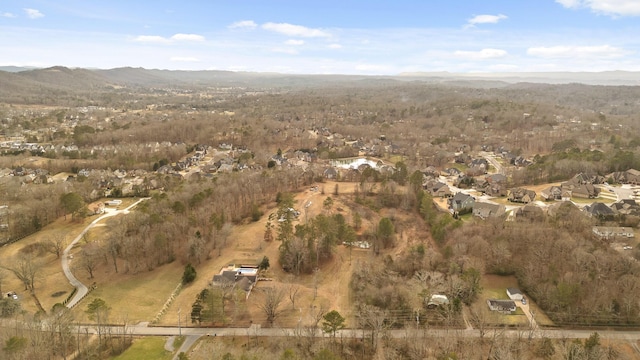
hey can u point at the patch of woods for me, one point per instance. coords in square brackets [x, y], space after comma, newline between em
[55, 334]
[574, 277]
[188, 224]
[568, 159]
[414, 345]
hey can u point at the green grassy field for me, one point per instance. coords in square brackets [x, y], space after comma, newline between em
[148, 348]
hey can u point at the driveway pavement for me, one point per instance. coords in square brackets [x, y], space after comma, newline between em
[81, 289]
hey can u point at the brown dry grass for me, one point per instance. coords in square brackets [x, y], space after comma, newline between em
[51, 286]
[247, 243]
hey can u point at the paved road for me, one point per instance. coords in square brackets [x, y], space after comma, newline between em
[490, 157]
[80, 287]
[192, 333]
[186, 345]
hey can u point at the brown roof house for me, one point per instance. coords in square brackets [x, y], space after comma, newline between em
[582, 186]
[437, 188]
[626, 207]
[521, 195]
[485, 210]
[555, 193]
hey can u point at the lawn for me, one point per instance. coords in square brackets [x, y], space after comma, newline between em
[151, 348]
[134, 298]
[51, 285]
[495, 287]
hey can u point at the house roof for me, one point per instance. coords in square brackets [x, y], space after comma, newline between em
[461, 197]
[485, 210]
[501, 304]
[514, 291]
[598, 208]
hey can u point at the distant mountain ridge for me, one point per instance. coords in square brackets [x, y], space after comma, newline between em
[613, 78]
[18, 83]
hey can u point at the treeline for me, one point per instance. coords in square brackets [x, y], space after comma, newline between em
[304, 248]
[569, 160]
[574, 277]
[191, 221]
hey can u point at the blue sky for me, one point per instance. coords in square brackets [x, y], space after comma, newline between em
[324, 37]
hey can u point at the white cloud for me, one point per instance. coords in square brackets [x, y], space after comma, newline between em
[485, 19]
[569, 3]
[482, 54]
[187, 37]
[294, 42]
[602, 51]
[183, 59]
[163, 40]
[33, 13]
[335, 46]
[294, 30]
[8, 15]
[151, 39]
[607, 7]
[244, 24]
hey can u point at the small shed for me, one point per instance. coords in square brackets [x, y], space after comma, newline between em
[437, 300]
[515, 294]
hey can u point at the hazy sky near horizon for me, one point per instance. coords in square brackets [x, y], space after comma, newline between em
[324, 37]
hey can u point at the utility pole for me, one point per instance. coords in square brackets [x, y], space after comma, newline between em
[179, 326]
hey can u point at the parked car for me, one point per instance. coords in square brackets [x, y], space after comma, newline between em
[524, 301]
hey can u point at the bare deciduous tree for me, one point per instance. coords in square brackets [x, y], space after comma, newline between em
[26, 269]
[273, 297]
[294, 290]
[55, 244]
[89, 258]
[374, 318]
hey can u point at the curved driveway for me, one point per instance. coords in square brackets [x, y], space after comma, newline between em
[80, 287]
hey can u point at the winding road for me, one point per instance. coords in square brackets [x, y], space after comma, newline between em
[81, 289]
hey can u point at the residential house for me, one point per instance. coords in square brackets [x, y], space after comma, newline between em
[451, 172]
[583, 178]
[486, 210]
[431, 171]
[244, 277]
[493, 185]
[561, 208]
[626, 207]
[600, 210]
[496, 179]
[610, 232]
[461, 201]
[586, 191]
[633, 176]
[521, 162]
[530, 212]
[521, 195]
[502, 306]
[555, 193]
[437, 188]
[515, 294]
